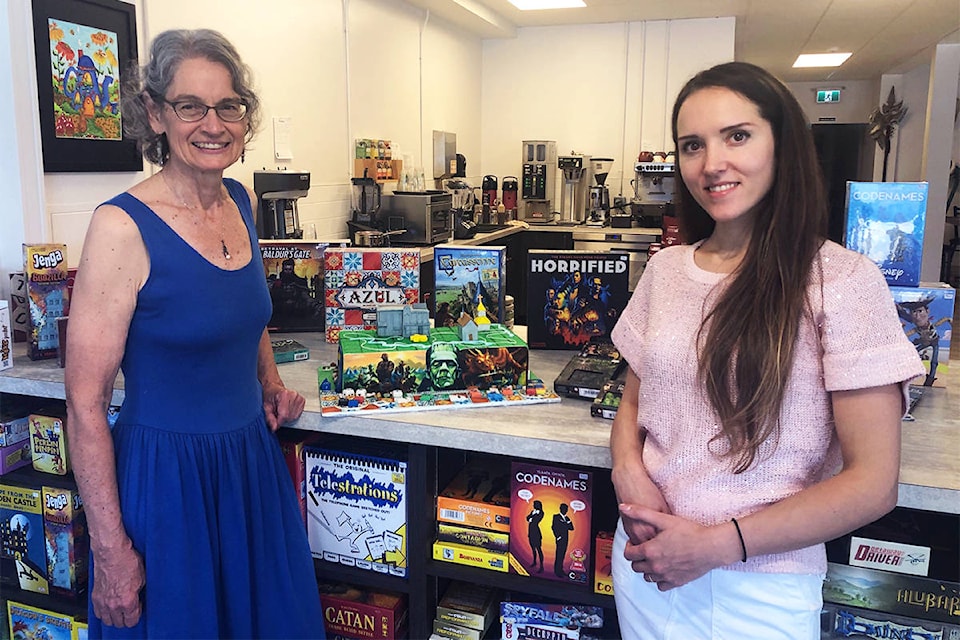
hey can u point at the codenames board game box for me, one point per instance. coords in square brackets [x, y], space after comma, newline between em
[33, 623]
[65, 528]
[363, 613]
[885, 222]
[294, 272]
[550, 521]
[48, 297]
[573, 296]
[357, 509]
[358, 280]
[926, 313]
[465, 275]
[22, 552]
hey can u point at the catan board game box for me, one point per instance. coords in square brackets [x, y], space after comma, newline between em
[585, 374]
[294, 272]
[926, 314]
[363, 613]
[573, 296]
[464, 276]
[358, 280]
[48, 297]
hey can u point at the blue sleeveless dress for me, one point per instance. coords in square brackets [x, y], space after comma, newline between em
[204, 490]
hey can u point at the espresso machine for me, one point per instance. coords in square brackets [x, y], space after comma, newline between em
[653, 188]
[277, 195]
[577, 173]
[599, 208]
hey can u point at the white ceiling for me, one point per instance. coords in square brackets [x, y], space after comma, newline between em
[885, 36]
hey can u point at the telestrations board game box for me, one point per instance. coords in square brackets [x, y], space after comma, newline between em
[68, 546]
[45, 274]
[34, 623]
[585, 374]
[926, 313]
[478, 496]
[573, 296]
[357, 281]
[357, 510]
[464, 275]
[550, 521]
[49, 444]
[294, 272]
[885, 222]
[362, 613]
[24, 558]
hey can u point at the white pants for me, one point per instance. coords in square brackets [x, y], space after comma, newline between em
[721, 605]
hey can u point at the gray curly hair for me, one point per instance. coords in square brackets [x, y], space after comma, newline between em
[168, 50]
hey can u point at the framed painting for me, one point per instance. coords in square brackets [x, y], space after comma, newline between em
[84, 48]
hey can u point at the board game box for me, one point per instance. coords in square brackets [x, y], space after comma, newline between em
[34, 623]
[49, 444]
[68, 546]
[363, 613]
[607, 402]
[885, 222]
[19, 309]
[48, 298]
[21, 538]
[603, 564]
[521, 620]
[289, 350]
[573, 296]
[470, 605]
[855, 622]
[294, 272]
[471, 556]
[478, 496]
[357, 509]
[473, 537]
[6, 336]
[550, 521]
[293, 442]
[584, 375]
[16, 455]
[926, 314]
[358, 280]
[464, 275]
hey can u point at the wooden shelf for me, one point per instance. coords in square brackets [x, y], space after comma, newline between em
[374, 168]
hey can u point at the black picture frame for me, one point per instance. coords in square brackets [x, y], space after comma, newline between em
[63, 153]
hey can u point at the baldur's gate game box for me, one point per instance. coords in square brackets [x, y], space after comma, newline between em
[573, 296]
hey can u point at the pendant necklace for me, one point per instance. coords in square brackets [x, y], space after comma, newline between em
[223, 244]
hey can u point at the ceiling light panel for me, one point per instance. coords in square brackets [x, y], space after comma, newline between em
[538, 5]
[820, 60]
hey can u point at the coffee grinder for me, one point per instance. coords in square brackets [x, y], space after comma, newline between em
[599, 208]
[277, 195]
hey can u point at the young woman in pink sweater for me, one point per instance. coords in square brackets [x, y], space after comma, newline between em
[761, 415]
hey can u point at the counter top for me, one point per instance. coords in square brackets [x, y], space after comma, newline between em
[561, 432]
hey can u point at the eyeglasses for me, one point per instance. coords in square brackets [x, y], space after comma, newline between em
[190, 111]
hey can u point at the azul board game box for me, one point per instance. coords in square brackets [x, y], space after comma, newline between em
[478, 496]
[357, 281]
[48, 440]
[21, 538]
[885, 222]
[585, 374]
[48, 298]
[65, 528]
[573, 296]
[550, 521]
[498, 358]
[289, 350]
[855, 622]
[926, 313]
[357, 509]
[362, 613]
[33, 623]
[6, 337]
[294, 272]
[464, 276]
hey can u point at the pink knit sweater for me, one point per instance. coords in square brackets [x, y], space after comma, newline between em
[863, 346]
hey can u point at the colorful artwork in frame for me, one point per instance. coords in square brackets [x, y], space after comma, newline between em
[83, 50]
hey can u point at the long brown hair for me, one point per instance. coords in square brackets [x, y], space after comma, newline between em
[746, 342]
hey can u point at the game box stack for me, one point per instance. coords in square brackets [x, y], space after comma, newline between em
[360, 613]
[528, 620]
[473, 515]
[465, 276]
[48, 298]
[573, 296]
[466, 611]
[357, 508]
[294, 272]
[550, 521]
[23, 556]
[357, 281]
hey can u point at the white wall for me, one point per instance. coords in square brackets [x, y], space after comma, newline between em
[602, 90]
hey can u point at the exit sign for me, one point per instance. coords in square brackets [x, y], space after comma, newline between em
[828, 95]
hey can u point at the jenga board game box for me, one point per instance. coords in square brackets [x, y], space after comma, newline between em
[478, 496]
[34, 623]
[357, 281]
[464, 275]
[48, 298]
[603, 563]
[6, 337]
[48, 440]
[65, 527]
[294, 272]
[550, 521]
[363, 614]
[293, 442]
[573, 296]
[22, 552]
[926, 314]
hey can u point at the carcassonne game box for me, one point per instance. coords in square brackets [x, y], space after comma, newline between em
[573, 296]
[464, 275]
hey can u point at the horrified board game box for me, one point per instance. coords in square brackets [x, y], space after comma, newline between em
[585, 374]
[463, 276]
[294, 272]
[573, 296]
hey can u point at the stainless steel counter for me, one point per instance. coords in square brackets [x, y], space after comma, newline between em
[562, 432]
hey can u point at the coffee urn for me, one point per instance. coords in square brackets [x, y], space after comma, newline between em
[510, 188]
[277, 195]
[488, 199]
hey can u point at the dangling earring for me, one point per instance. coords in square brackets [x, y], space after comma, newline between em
[243, 155]
[162, 149]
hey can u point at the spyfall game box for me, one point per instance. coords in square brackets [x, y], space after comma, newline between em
[573, 296]
[926, 314]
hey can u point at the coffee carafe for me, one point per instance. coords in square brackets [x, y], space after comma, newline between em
[365, 200]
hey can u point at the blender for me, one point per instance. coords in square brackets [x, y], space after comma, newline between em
[365, 201]
[463, 199]
[599, 194]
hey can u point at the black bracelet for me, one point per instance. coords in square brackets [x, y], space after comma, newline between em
[743, 547]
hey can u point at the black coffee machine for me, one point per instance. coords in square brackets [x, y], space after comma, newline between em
[277, 195]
